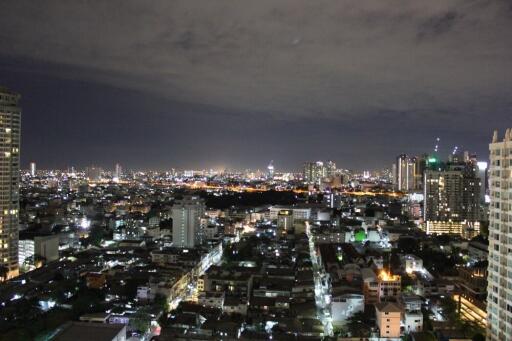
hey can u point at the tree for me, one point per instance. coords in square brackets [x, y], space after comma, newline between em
[96, 235]
[407, 283]
[162, 303]
[359, 325]
[141, 322]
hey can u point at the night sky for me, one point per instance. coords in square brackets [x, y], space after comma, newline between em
[199, 84]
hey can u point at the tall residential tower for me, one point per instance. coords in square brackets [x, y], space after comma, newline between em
[499, 290]
[187, 217]
[452, 199]
[10, 115]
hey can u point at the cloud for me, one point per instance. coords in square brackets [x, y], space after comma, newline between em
[339, 60]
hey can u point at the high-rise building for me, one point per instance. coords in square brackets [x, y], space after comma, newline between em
[187, 217]
[482, 175]
[499, 290]
[33, 169]
[330, 169]
[314, 172]
[452, 199]
[270, 168]
[10, 116]
[93, 173]
[118, 172]
[405, 173]
[419, 170]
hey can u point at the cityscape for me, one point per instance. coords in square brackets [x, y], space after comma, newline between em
[204, 218]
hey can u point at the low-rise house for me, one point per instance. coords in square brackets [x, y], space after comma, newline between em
[235, 305]
[413, 321]
[345, 306]
[389, 316]
[213, 299]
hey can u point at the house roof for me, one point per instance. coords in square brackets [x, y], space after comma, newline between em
[388, 307]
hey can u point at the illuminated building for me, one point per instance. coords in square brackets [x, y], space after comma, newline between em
[10, 116]
[43, 247]
[186, 221]
[451, 197]
[118, 172]
[471, 310]
[314, 172]
[482, 175]
[413, 264]
[380, 287]
[472, 293]
[93, 173]
[299, 213]
[284, 221]
[419, 169]
[33, 169]
[330, 169]
[270, 168]
[405, 173]
[389, 318]
[413, 321]
[499, 290]
[345, 306]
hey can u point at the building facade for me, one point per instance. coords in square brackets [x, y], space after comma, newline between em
[186, 221]
[499, 297]
[405, 170]
[314, 172]
[389, 318]
[33, 169]
[10, 122]
[452, 199]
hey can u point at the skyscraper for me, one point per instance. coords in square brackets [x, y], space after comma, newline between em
[93, 173]
[452, 199]
[499, 293]
[270, 168]
[10, 116]
[405, 173]
[314, 172]
[482, 175]
[186, 221]
[33, 169]
[419, 170]
[118, 171]
[330, 169]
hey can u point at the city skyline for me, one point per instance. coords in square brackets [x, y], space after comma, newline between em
[248, 84]
[256, 170]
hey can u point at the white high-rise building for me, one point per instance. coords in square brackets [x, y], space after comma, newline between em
[118, 172]
[270, 168]
[499, 290]
[405, 173]
[482, 175]
[10, 116]
[33, 169]
[186, 221]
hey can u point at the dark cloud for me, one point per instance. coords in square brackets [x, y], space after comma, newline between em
[426, 65]
[438, 24]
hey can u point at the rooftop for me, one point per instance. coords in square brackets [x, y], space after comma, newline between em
[82, 331]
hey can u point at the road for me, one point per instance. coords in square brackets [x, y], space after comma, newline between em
[322, 287]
